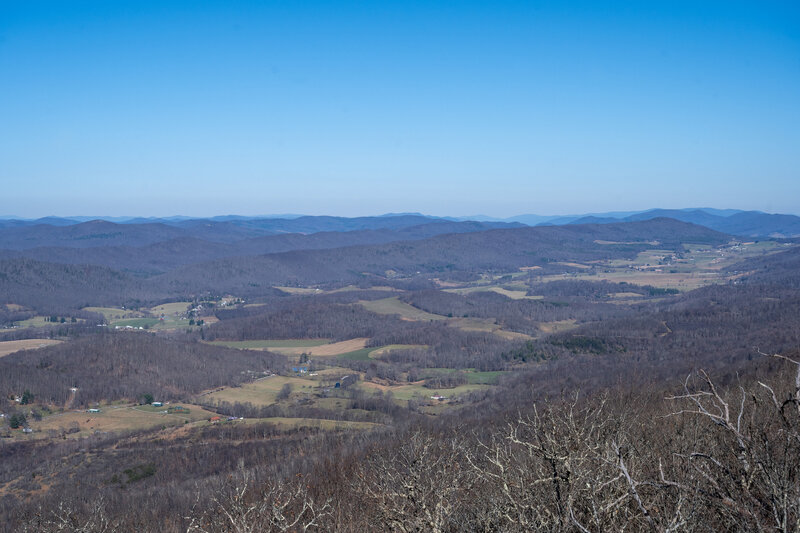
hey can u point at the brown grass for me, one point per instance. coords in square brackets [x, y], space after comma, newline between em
[8, 347]
[117, 418]
[334, 348]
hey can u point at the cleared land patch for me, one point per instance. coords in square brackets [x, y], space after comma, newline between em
[383, 350]
[118, 418]
[136, 322]
[415, 390]
[357, 355]
[172, 308]
[264, 391]
[337, 348]
[114, 313]
[316, 347]
[270, 344]
[520, 294]
[8, 347]
[697, 266]
[393, 306]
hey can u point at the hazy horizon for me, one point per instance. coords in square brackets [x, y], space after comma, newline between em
[372, 214]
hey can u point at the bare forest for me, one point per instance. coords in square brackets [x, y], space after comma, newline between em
[398, 374]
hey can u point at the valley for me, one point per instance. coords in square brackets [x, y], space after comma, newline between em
[336, 348]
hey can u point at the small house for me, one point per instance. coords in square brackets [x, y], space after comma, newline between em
[214, 419]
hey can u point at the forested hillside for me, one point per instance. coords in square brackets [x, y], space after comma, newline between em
[579, 378]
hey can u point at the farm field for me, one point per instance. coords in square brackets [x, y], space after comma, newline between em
[697, 267]
[167, 323]
[34, 322]
[264, 391]
[271, 344]
[149, 318]
[135, 323]
[315, 347]
[415, 390]
[393, 306]
[383, 350]
[117, 418]
[305, 291]
[172, 308]
[324, 350]
[517, 294]
[357, 355]
[365, 354]
[9, 347]
[114, 313]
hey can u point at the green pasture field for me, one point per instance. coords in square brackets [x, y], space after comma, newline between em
[136, 322]
[364, 354]
[34, 322]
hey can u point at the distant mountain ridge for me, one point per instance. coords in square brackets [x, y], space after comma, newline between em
[163, 255]
[102, 233]
[232, 228]
[742, 223]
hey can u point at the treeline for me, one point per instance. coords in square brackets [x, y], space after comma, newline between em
[50, 287]
[125, 365]
[593, 290]
[719, 323]
[775, 269]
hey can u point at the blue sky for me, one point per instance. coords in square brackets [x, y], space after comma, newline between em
[448, 108]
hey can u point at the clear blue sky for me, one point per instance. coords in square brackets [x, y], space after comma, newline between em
[501, 108]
